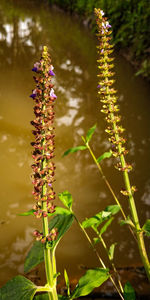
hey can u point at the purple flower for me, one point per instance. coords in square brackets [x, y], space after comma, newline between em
[51, 72]
[34, 69]
[99, 86]
[52, 94]
[33, 95]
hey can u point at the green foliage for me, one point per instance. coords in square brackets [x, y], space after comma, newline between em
[36, 254]
[130, 24]
[111, 251]
[89, 281]
[18, 288]
[66, 198]
[42, 297]
[129, 293]
[128, 221]
[67, 282]
[101, 217]
[74, 149]
[146, 227]
[104, 156]
[105, 226]
[90, 133]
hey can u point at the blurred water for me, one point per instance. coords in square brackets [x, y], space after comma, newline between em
[25, 26]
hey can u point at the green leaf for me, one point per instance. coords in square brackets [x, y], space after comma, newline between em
[96, 220]
[113, 209]
[129, 293]
[62, 223]
[27, 213]
[66, 198]
[90, 133]
[67, 282]
[19, 288]
[36, 254]
[111, 251]
[92, 279]
[104, 228]
[128, 221]
[146, 227]
[96, 240]
[74, 149]
[103, 156]
[61, 211]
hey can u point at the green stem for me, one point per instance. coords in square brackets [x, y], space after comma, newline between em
[138, 231]
[106, 181]
[98, 256]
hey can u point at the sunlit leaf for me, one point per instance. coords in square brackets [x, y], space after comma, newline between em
[111, 251]
[128, 221]
[96, 220]
[105, 226]
[103, 156]
[67, 282]
[114, 209]
[66, 198]
[61, 211]
[146, 227]
[92, 279]
[90, 133]
[36, 253]
[74, 149]
[18, 288]
[27, 213]
[96, 240]
[129, 293]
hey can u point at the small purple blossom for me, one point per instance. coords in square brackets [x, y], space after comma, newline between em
[99, 86]
[102, 13]
[51, 72]
[33, 95]
[36, 67]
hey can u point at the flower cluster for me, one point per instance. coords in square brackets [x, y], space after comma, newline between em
[107, 92]
[43, 167]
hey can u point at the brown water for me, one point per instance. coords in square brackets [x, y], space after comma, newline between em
[24, 28]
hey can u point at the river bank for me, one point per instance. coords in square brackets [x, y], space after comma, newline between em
[129, 20]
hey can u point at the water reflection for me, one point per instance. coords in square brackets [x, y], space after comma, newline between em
[24, 28]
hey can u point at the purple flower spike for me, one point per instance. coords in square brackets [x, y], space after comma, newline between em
[51, 73]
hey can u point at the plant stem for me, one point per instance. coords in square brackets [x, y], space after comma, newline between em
[106, 181]
[98, 256]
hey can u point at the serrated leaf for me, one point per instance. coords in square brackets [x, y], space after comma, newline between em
[92, 279]
[36, 254]
[103, 156]
[129, 293]
[111, 251]
[146, 227]
[96, 220]
[105, 226]
[74, 149]
[90, 133]
[19, 288]
[27, 213]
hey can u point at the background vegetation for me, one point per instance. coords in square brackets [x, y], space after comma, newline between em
[129, 20]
